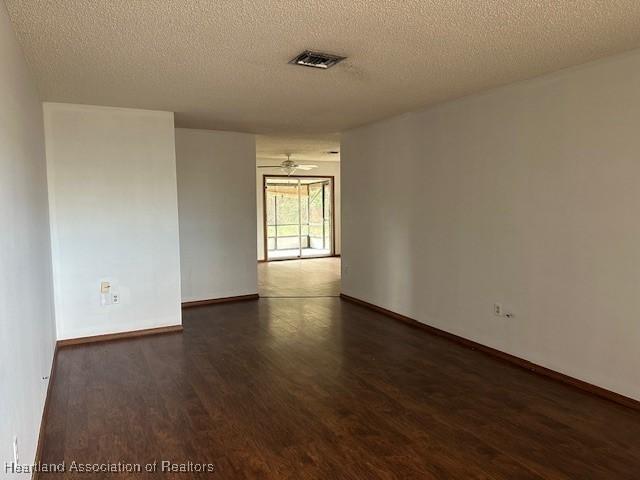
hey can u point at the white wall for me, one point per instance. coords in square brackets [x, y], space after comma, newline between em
[526, 195]
[114, 217]
[324, 168]
[27, 331]
[216, 203]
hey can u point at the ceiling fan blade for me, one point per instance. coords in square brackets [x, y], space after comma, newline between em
[269, 166]
[306, 167]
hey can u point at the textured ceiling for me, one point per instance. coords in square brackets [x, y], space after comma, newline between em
[301, 147]
[223, 64]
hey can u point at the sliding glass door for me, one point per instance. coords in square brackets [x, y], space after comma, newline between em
[298, 217]
[320, 215]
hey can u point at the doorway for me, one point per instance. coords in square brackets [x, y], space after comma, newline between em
[298, 217]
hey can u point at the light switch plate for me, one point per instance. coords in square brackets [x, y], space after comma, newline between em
[16, 457]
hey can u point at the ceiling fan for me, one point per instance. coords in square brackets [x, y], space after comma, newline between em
[289, 166]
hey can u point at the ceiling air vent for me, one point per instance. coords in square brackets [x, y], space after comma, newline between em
[316, 59]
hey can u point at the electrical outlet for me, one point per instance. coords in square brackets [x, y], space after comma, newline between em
[16, 457]
[115, 298]
[497, 309]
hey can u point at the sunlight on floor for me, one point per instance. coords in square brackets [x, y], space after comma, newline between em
[314, 277]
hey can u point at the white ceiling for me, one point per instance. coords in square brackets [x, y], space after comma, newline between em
[303, 148]
[223, 64]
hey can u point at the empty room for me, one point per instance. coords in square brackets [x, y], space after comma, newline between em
[320, 239]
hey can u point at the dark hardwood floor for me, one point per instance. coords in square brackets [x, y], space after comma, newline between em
[323, 389]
